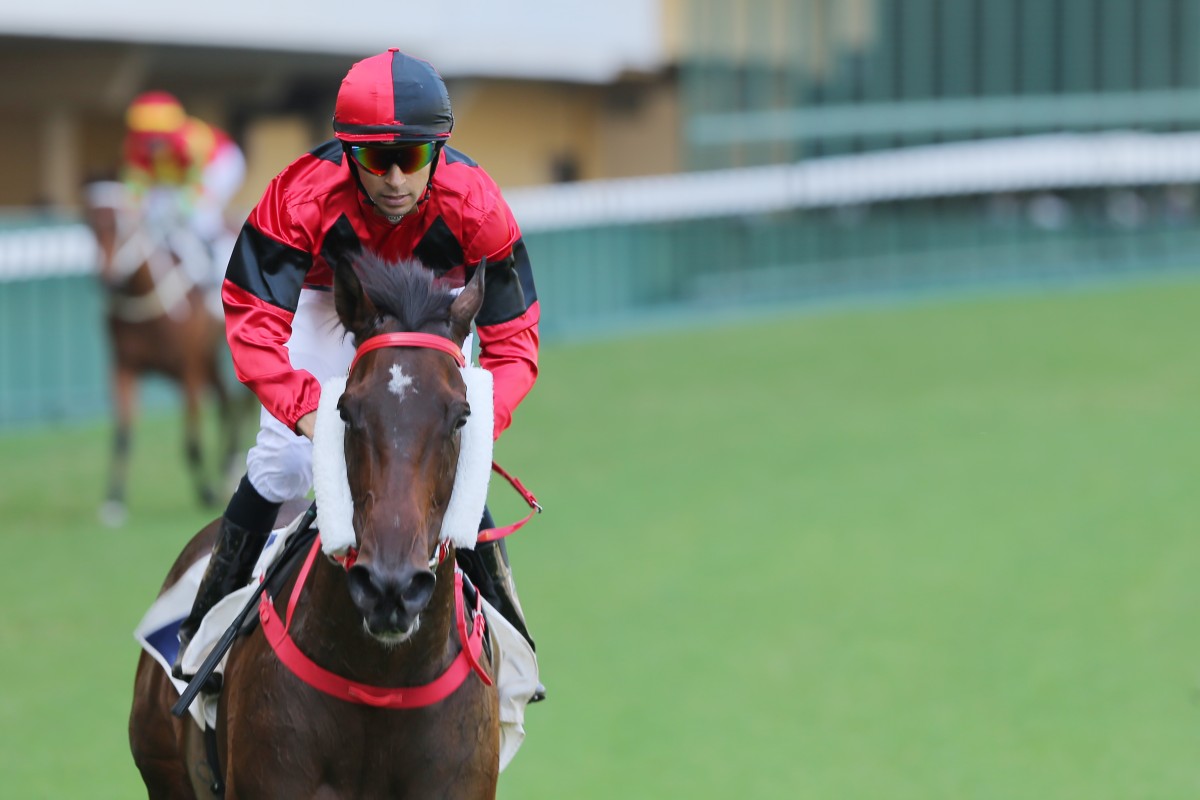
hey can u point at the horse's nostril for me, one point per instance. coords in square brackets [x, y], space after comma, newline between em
[363, 590]
[391, 595]
[416, 595]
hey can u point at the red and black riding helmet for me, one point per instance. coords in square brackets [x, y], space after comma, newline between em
[392, 98]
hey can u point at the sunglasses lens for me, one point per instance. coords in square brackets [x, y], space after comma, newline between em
[378, 160]
[412, 159]
[370, 159]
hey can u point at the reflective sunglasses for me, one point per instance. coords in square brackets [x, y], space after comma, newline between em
[378, 160]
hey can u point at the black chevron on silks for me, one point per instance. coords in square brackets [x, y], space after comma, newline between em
[278, 271]
[341, 243]
[439, 249]
[510, 288]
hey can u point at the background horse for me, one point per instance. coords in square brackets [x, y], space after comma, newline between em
[388, 620]
[158, 322]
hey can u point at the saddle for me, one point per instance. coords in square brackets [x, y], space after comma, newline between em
[158, 630]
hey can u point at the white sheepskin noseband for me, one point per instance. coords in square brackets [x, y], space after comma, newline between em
[335, 507]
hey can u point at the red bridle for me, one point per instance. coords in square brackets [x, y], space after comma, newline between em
[471, 642]
[380, 341]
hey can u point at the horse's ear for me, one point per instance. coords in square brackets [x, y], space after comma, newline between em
[467, 304]
[354, 308]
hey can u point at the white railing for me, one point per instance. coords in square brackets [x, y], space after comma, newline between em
[1033, 163]
[46, 251]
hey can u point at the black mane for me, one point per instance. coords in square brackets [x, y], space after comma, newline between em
[406, 291]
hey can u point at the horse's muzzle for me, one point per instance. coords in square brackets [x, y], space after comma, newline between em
[390, 601]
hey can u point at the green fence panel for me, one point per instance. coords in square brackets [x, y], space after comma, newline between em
[54, 354]
[595, 279]
[53, 359]
[895, 73]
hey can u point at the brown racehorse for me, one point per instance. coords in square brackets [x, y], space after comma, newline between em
[158, 322]
[390, 622]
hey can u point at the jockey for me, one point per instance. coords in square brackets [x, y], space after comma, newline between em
[387, 184]
[183, 171]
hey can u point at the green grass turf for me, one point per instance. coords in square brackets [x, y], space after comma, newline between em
[943, 550]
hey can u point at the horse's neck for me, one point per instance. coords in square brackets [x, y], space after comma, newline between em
[329, 629]
[146, 280]
[134, 259]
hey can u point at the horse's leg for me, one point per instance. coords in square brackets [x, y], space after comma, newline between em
[155, 735]
[231, 469]
[193, 437]
[124, 383]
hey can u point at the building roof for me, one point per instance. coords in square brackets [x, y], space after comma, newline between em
[572, 40]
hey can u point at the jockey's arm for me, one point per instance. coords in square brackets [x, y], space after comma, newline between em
[307, 424]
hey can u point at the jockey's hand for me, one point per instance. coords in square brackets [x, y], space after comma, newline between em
[306, 424]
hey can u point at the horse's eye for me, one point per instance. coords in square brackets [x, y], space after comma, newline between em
[344, 411]
[461, 419]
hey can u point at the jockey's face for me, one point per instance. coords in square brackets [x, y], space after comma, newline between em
[395, 193]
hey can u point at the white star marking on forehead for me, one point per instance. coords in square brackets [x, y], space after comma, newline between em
[400, 383]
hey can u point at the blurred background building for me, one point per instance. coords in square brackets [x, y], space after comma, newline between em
[665, 158]
[542, 91]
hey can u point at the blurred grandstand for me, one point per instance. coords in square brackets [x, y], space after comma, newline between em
[818, 149]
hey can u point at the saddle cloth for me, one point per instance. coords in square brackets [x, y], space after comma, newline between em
[516, 670]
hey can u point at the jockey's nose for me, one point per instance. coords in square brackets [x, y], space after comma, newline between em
[390, 601]
[395, 177]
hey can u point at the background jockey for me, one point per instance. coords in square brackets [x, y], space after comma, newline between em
[183, 172]
[388, 184]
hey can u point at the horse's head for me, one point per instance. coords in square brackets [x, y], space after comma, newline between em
[403, 406]
[107, 213]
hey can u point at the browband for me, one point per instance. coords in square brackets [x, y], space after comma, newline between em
[407, 339]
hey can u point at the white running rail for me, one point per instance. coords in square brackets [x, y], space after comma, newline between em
[1021, 164]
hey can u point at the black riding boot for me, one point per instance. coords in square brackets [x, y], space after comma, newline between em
[487, 567]
[233, 557]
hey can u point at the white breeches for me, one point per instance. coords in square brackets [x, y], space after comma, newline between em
[279, 464]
